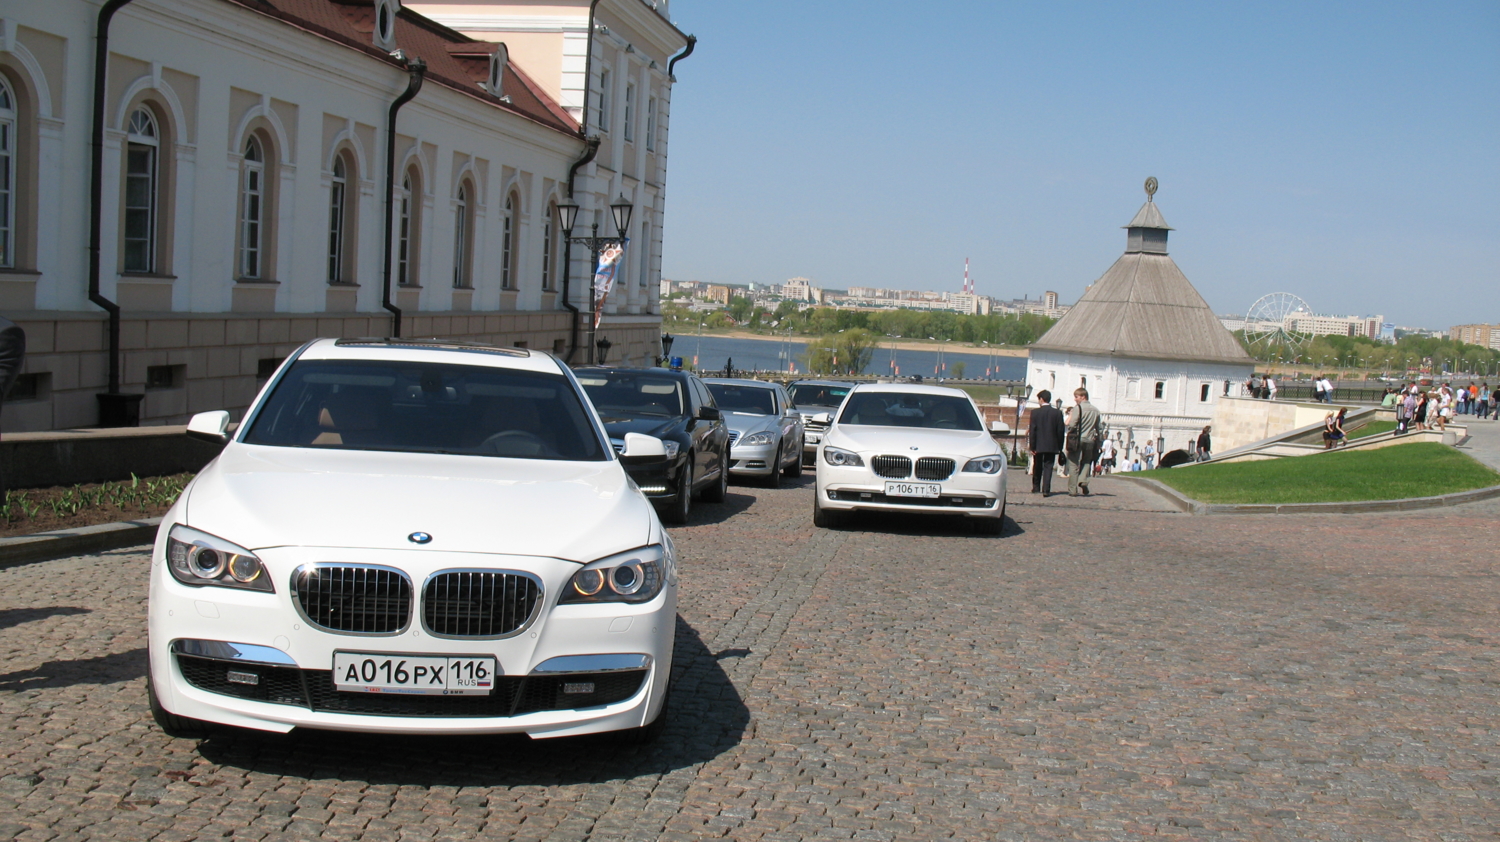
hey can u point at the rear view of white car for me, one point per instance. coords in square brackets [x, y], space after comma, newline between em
[413, 537]
[917, 449]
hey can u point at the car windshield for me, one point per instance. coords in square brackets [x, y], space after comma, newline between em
[634, 393]
[812, 394]
[752, 400]
[420, 407]
[904, 409]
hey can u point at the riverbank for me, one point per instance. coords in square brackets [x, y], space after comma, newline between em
[900, 345]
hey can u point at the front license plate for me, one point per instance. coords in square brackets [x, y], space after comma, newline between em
[814, 438]
[913, 489]
[418, 675]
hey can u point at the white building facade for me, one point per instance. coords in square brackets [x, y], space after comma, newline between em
[1152, 355]
[243, 195]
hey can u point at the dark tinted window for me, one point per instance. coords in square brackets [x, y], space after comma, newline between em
[901, 409]
[634, 393]
[426, 407]
[756, 400]
[811, 394]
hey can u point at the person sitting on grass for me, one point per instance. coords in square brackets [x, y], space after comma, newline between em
[1333, 429]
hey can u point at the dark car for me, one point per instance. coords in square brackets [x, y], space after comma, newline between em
[817, 400]
[677, 408]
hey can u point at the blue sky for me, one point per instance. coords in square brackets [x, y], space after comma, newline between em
[1346, 152]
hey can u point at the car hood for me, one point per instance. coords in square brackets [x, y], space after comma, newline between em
[746, 423]
[653, 425]
[263, 497]
[901, 440]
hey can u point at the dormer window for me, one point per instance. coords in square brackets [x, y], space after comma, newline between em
[498, 59]
[385, 23]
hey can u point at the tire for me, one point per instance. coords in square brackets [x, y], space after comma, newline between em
[825, 519]
[795, 469]
[719, 491]
[773, 480]
[179, 727]
[682, 506]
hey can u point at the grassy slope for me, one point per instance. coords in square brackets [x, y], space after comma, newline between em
[1420, 469]
[1372, 428]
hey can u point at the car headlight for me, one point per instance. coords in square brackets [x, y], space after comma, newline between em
[636, 576]
[759, 438]
[672, 448]
[984, 465]
[840, 458]
[198, 558]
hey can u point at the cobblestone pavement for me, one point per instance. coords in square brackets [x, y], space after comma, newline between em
[1101, 671]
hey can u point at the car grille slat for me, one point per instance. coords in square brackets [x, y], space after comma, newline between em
[354, 599]
[734, 436]
[892, 467]
[934, 467]
[479, 603]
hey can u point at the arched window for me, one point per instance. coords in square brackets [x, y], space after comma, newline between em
[651, 124]
[339, 222]
[409, 234]
[7, 176]
[508, 243]
[461, 222]
[143, 140]
[548, 258]
[252, 209]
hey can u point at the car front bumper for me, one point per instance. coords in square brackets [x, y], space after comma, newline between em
[252, 660]
[756, 460]
[855, 489]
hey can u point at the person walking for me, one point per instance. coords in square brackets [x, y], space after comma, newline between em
[1082, 443]
[1318, 393]
[1326, 386]
[1270, 387]
[1333, 429]
[1044, 438]
[1205, 443]
[1107, 456]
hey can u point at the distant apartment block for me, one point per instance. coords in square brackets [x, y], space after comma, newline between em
[1487, 336]
[1367, 326]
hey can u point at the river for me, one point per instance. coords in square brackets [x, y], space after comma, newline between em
[710, 354]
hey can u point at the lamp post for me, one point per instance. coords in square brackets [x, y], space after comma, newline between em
[567, 215]
[666, 349]
[603, 344]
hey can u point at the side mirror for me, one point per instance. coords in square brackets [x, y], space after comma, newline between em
[709, 413]
[643, 448]
[210, 426]
[999, 428]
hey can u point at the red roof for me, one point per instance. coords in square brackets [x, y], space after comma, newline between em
[454, 60]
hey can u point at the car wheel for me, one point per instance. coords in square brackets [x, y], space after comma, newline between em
[719, 491]
[171, 724]
[682, 505]
[774, 479]
[825, 519]
[795, 469]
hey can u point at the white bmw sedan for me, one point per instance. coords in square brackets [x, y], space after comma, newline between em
[414, 537]
[919, 449]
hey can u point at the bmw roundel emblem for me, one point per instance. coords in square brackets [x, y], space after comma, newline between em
[419, 538]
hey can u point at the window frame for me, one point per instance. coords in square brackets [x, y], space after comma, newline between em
[628, 112]
[138, 142]
[252, 216]
[508, 243]
[463, 219]
[604, 82]
[409, 230]
[549, 257]
[338, 220]
[651, 124]
[10, 119]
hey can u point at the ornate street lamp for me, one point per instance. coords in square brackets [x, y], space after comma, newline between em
[567, 216]
[666, 349]
[603, 344]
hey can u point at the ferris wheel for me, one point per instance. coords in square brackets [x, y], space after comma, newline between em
[1269, 320]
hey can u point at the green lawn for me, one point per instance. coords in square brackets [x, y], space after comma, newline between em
[1373, 428]
[981, 393]
[1420, 469]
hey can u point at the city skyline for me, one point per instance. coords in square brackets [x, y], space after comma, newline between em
[1333, 151]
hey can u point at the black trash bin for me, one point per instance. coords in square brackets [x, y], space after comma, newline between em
[119, 410]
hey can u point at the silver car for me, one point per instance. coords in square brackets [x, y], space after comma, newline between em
[765, 432]
[817, 401]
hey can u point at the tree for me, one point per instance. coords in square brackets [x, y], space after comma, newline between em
[739, 308]
[958, 370]
[849, 352]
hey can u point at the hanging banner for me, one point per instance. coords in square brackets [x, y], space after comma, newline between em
[604, 276]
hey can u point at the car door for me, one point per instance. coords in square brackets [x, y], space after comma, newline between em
[708, 436]
[791, 423]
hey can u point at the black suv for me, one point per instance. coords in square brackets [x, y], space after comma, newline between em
[677, 408]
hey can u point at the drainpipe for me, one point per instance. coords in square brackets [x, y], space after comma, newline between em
[590, 150]
[417, 68]
[110, 401]
[692, 41]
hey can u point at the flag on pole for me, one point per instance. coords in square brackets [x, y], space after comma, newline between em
[604, 276]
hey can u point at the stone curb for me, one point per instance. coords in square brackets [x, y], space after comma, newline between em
[44, 546]
[1191, 506]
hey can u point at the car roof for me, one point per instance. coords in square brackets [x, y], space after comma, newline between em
[739, 381]
[912, 389]
[431, 350]
[583, 370]
[824, 383]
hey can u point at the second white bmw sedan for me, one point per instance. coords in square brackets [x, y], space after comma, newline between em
[414, 537]
[919, 449]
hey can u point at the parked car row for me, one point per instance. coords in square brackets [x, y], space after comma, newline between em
[408, 536]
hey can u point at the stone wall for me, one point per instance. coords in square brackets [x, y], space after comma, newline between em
[1241, 421]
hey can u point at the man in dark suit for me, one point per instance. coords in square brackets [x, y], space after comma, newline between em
[1045, 440]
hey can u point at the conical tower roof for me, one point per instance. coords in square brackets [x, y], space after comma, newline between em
[1144, 307]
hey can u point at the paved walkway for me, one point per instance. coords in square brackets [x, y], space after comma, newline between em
[1484, 440]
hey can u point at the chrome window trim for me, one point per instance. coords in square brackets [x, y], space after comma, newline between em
[421, 602]
[579, 664]
[223, 650]
[317, 565]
